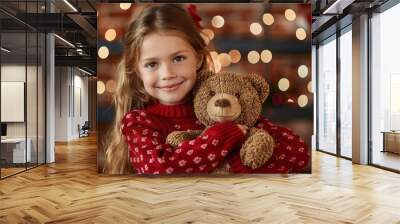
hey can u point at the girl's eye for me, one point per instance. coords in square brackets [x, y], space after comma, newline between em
[179, 58]
[150, 65]
[212, 93]
[237, 95]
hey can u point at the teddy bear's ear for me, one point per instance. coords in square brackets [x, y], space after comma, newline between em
[259, 84]
[201, 77]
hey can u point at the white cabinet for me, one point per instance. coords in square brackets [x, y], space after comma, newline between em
[17, 147]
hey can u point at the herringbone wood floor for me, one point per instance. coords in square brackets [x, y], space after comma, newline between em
[71, 191]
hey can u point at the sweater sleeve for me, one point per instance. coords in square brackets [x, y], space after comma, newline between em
[291, 154]
[149, 154]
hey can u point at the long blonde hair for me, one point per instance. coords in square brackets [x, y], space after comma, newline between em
[130, 93]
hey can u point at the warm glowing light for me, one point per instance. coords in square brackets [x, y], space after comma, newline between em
[218, 21]
[302, 71]
[255, 28]
[125, 6]
[302, 100]
[268, 19]
[111, 85]
[266, 56]
[224, 59]
[110, 34]
[301, 34]
[103, 52]
[235, 55]
[100, 87]
[283, 84]
[309, 87]
[290, 14]
[253, 57]
[209, 33]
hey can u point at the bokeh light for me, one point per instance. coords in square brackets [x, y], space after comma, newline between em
[218, 21]
[302, 71]
[302, 100]
[266, 56]
[224, 59]
[255, 28]
[301, 34]
[283, 84]
[268, 19]
[100, 87]
[235, 55]
[309, 87]
[290, 14]
[253, 57]
[125, 6]
[209, 33]
[110, 34]
[111, 85]
[103, 52]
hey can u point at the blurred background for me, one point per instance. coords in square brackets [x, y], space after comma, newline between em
[272, 40]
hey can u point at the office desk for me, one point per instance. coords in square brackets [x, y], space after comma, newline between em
[13, 150]
[391, 141]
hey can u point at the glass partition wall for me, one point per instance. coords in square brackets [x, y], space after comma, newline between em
[334, 95]
[326, 60]
[385, 89]
[345, 92]
[22, 77]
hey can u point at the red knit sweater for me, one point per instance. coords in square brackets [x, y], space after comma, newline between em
[146, 130]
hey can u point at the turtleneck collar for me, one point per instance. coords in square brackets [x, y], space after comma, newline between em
[178, 110]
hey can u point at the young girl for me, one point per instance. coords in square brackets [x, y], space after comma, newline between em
[163, 54]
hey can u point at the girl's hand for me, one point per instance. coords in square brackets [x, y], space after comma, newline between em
[244, 128]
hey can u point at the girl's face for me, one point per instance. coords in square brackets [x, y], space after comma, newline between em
[167, 67]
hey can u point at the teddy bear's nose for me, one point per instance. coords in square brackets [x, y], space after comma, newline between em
[222, 103]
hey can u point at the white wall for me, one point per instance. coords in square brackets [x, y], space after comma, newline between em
[12, 73]
[70, 83]
[61, 103]
[33, 127]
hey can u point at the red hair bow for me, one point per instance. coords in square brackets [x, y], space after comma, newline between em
[193, 13]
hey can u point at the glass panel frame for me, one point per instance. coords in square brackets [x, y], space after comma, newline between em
[27, 57]
[384, 71]
[326, 109]
[345, 108]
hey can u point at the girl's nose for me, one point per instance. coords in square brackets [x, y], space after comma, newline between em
[167, 72]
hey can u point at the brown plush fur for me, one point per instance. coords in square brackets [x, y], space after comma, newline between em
[231, 97]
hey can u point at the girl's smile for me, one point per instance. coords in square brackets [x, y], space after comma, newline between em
[171, 87]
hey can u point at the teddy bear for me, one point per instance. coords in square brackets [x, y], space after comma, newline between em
[227, 96]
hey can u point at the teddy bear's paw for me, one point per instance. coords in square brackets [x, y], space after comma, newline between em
[175, 138]
[257, 149]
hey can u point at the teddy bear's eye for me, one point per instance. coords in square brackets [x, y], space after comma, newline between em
[212, 93]
[237, 95]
